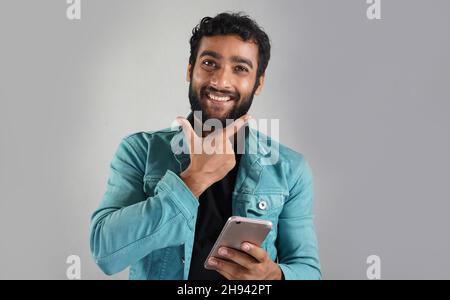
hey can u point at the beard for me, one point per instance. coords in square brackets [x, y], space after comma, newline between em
[236, 112]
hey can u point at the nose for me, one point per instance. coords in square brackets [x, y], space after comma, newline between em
[221, 79]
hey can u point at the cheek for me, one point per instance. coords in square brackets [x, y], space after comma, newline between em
[198, 79]
[246, 87]
[196, 82]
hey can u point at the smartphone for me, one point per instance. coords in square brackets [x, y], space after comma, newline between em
[238, 230]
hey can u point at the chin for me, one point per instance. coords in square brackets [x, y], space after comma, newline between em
[221, 118]
[216, 114]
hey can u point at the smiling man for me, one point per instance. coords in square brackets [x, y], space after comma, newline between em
[163, 210]
[212, 90]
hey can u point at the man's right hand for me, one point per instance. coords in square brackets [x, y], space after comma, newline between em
[211, 166]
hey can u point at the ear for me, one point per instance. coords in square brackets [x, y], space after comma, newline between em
[188, 73]
[261, 84]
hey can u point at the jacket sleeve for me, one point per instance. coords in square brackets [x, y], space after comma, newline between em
[297, 244]
[128, 226]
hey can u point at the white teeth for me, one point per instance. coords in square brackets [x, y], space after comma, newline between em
[217, 98]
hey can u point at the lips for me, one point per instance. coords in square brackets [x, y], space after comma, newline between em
[217, 97]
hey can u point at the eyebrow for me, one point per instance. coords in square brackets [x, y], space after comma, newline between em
[235, 58]
[242, 60]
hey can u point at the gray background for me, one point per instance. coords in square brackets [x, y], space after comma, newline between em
[367, 102]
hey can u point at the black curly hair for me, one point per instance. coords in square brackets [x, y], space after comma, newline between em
[232, 23]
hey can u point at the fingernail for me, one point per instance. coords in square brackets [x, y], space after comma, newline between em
[223, 251]
[245, 246]
[212, 262]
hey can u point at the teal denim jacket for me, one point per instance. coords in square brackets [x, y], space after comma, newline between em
[146, 219]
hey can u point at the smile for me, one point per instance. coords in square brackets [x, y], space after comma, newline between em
[218, 98]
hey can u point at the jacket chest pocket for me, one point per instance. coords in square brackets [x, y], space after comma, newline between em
[263, 206]
[259, 206]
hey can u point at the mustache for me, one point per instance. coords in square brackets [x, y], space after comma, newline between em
[210, 89]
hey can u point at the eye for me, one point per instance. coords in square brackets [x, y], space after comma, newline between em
[209, 63]
[241, 69]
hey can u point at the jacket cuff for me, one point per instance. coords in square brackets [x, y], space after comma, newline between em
[181, 195]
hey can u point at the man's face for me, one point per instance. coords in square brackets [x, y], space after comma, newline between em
[223, 79]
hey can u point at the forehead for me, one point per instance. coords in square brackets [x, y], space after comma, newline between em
[229, 45]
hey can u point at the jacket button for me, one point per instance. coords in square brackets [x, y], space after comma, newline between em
[262, 205]
[182, 260]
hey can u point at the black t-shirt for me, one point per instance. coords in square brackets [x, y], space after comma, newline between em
[213, 212]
